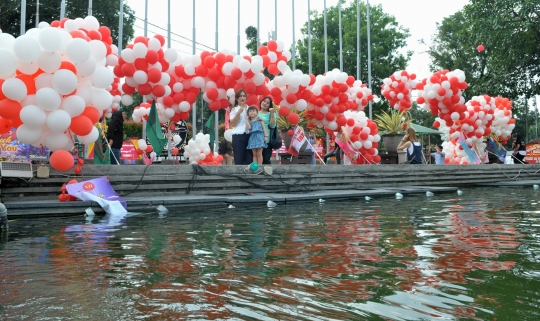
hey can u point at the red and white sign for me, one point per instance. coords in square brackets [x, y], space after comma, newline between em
[298, 139]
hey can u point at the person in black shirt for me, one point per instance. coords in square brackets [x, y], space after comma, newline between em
[115, 135]
[519, 149]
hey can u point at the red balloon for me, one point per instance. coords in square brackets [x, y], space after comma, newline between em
[92, 113]
[61, 160]
[250, 88]
[148, 149]
[10, 108]
[201, 70]
[63, 197]
[291, 98]
[284, 111]
[293, 118]
[212, 93]
[272, 45]
[168, 101]
[209, 61]
[158, 90]
[81, 125]
[174, 151]
[77, 169]
[252, 100]
[273, 69]
[236, 73]
[152, 57]
[480, 48]
[161, 39]
[5, 125]
[214, 105]
[144, 89]
[154, 75]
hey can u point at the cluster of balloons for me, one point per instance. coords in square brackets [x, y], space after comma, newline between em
[198, 151]
[397, 89]
[64, 196]
[55, 83]
[363, 136]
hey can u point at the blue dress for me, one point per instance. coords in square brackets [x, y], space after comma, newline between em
[256, 137]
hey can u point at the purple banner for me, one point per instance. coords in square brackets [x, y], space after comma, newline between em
[97, 189]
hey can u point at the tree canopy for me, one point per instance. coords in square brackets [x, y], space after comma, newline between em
[387, 38]
[106, 11]
[509, 30]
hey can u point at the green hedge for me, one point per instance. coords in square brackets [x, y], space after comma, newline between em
[132, 129]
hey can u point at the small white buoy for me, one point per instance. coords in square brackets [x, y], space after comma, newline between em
[162, 209]
[536, 186]
[367, 198]
[459, 192]
[271, 204]
[321, 200]
[399, 196]
[89, 212]
[230, 206]
[429, 194]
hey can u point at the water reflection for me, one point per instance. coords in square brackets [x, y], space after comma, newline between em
[472, 258]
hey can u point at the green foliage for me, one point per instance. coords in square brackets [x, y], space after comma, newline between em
[251, 35]
[106, 11]
[132, 129]
[387, 38]
[392, 122]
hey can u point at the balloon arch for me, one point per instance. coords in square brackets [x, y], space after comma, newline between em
[58, 80]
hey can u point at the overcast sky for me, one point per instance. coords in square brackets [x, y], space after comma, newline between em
[419, 16]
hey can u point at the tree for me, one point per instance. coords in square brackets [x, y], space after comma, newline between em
[510, 32]
[251, 35]
[387, 37]
[49, 10]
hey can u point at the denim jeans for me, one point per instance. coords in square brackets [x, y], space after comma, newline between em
[115, 157]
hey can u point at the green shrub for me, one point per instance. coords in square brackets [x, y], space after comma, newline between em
[132, 129]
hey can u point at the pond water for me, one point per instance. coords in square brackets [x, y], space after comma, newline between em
[447, 257]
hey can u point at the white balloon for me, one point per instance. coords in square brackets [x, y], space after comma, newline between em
[8, 63]
[87, 68]
[27, 68]
[142, 144]
[153, 44]
[64, 81]
[78, 50]
[127, 100]
[73, 105]
[33, 116]
[90, 138]
[171, 55]
[140, 50]
[14, 89]
[44, 81]
[91, 23]
[102, 77]
[140, 77]
[43, 25]
[71, 25]
[228, 135]
[102, 99]
[6, 41]
[50, 39]
[49, 61]
[56, 141]
[28, 135]
[112, 60]
[184, 106]
[178, 87]
[58, 120]
[244, 65]
[97, 49]
[26, 48]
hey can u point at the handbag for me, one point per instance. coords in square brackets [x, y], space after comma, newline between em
[275, 141]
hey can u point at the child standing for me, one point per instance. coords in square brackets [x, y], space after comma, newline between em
[258, 134]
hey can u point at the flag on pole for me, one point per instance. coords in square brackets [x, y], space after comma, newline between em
[342, 142]
[497, 149]
[102, 152]
[209, 124]
[154, 133]
[298, 139]
[473, 157]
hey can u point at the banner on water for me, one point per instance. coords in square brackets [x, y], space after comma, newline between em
[298, 139]
[99, 190]
[13, 150]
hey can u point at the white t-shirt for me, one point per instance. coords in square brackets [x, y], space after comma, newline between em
[411, 147]
[240, 127]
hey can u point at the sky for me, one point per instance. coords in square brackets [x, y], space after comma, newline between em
[419, 16]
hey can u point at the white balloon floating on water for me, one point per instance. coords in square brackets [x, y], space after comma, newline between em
[429, 194]
[321, 200]
[399, 196]
[230, 206]
[271, 204]
[367, 198]
[536, 186]
[459, 192]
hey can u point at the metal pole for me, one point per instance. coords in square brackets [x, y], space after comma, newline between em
[258, 24]
[326, 67]
[238, 33]
[62, 9]
[169, 135]
[340, 38]
[325, 50]
[293, 40]
[309, 34]
[120, 26]
[358, 72]
[216, 113]
[194, 107]
[23, 17]
[145, 18]
[536, 116]
[89, 7]
[275, 20]
[37, 13]
[369, 59]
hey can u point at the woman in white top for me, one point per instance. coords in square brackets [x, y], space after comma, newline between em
[240, 136]
[413, 146]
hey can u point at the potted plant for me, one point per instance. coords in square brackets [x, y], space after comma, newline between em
[393, 126]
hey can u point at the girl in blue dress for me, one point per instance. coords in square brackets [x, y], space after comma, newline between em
[257, 134]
